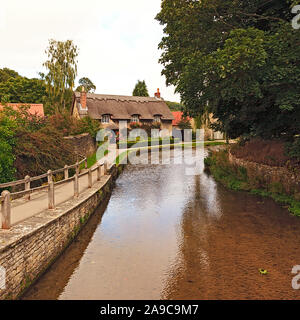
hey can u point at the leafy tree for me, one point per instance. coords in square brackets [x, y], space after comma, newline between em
[7, 73]
[23, 90]
[87, 84]
[7, 143]
[62, 71]
[236, 59]
[140, 89]
[184, 123]
[175, 106]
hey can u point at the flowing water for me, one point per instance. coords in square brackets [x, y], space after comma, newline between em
[164, 234]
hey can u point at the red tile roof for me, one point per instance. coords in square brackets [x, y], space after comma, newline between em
[37, 109]
[178, 115]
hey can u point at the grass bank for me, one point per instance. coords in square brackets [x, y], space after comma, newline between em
[236, 178]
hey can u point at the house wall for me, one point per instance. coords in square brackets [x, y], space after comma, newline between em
[75, 112]
[167, 125]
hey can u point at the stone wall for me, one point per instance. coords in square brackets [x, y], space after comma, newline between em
[280, 179]
[30, 247]
[82, 144]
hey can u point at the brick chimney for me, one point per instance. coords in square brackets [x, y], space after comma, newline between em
[157, 94]
[83, 98]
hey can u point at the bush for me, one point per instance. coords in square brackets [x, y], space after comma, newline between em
[271, 152]
[293, 149]
[68, 125]
[236, 178]
[7, 143]
[31, 145]
[37, 152]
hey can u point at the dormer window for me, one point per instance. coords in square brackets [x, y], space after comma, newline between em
[135, 118]
[105, 118]
[157, 118]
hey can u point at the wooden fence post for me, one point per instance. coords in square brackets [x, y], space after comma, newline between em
[85, 164]
[6, 210]
[99, 172]
[76, 181]
[51, 202]
[27, 187]
[66, 171]
[90, 178]
[105, 168]
[50, 176]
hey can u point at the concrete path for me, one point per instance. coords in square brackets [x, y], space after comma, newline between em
[23, 209]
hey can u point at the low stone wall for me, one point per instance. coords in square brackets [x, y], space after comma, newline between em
[82, 144]
[279, 179]
[29, 248]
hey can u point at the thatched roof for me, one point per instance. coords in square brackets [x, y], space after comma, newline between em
[124, 107]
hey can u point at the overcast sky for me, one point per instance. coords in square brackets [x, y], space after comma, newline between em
[117, 40]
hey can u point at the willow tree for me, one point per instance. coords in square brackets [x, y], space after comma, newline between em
[62, 71]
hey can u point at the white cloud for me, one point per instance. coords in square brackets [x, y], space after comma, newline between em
[117, 40]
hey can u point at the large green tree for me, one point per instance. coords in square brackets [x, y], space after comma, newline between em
[24, 90]
[236, 59]
[7, 73]
[62, 70]
[140, 89]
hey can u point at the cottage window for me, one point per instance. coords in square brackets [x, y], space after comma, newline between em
[105, 118]
[157, 118]
[135, 118]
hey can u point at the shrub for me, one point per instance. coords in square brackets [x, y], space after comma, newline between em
[7, 143]
[68, 125]
[37, 152]
[271, 152]
[31, 145]
[293, 149]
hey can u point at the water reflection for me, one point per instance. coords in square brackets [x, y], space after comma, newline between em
[168, 235]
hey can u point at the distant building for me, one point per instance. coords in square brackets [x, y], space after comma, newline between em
[110, 109]
[209, 134]
[34, 109]
[178, 117]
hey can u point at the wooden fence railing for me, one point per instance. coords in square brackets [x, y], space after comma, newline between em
[6, 196]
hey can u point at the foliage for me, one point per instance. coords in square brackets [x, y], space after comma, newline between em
[140, 89]
[236, 178]
[37, 152]
[23, 90]
[62, 71]
[6, 74]
[87, 84]
[88, 125]
[135, 125]
[184, 123]
[293, 149]
[271, 152]
[238, 58]
[31, 145]
[175, 106]
[7, 143]
[68, 125]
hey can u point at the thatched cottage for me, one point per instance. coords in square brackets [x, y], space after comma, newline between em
[110, 109]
